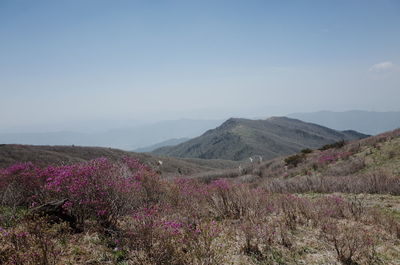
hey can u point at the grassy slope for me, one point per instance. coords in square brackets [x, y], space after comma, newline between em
[378, 153]
[56, 155]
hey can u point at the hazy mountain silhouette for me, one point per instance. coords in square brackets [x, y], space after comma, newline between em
[169, 142]
[368, 122]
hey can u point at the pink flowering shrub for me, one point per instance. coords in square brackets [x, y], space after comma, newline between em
[98, 189]
[20, 184]
[189, 196]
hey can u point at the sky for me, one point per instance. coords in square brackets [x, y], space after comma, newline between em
[78, 60]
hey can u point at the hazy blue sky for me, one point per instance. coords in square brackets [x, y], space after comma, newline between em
[92, 59]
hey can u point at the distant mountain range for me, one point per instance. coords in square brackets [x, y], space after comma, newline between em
[238, 139]
[368, 122]
[145, 137]
[170, 142]
[124, 138]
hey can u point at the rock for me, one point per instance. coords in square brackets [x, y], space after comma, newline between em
[55, 213]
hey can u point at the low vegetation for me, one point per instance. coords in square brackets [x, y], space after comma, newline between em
[337, 206]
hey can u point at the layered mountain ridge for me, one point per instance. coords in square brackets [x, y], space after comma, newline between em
[238, 139]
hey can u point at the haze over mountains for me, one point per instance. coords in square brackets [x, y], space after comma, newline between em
[148, 137]
[122, 138]
[238, 139]
[368, 122]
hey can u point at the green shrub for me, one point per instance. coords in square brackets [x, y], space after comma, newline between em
[294, 160]
[306, 151]
[336, 145]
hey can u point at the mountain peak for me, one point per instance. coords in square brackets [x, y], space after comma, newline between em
[230, 123]
[282, 118]
[274, 118]
[238, 139]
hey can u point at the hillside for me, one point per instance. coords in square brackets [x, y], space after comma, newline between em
[238, 139]
[337, 205]
[65, 155]
[369, 122]
[370, 165]
[367, 165]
